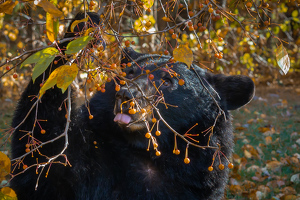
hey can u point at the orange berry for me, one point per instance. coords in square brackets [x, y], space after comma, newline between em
[117, 88]
[171, 31]
[190, 23]
[153, 120]
[143, 110]
[191, 13]
[133, 42]
[151, 76]
[174, 36]
[148, 24]
[91, 116]
[148, 135]
[27, 150]
[187, 160]
[266, 23]
[166, 52]
[249, 4]
[88, 81]
[27, 145]
[216, 55]
[157, 133]
[132, 111]
[128, 64]
[191, 28]
[122, 82]
[201, 5]
[220, 55]
[108, 79]
[99, 88]
[113, 66]
[155, 145]
[15, 75]
[220, 39]
[91, 89]
[221, 166]
[180, 5]
[132, 103]
[210, 168]
[7, 67]
[181, 82]
[112, 49]
[25, 166]
[158, 153]
[127, 43]
[95, 142]
[210, 10]
[43, 131]
[41, 84]
[103, 90]
[230, 165]
[92, 3]
[147, 71]
[177, 152]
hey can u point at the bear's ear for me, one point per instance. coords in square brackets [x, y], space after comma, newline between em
[128, 55]
[235, 91]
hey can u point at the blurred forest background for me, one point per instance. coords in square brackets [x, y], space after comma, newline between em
[257, 38]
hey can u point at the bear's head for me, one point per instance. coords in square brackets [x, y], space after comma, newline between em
[177, 97]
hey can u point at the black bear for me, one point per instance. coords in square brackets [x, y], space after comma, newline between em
[166, 134]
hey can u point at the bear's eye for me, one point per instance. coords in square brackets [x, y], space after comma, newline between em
[166, 82]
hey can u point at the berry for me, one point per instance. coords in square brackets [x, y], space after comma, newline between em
[153, 120]
[191, 28]
[91, 117]
[166, 52]
[147, 71]
[15, 75]
[249, 4]
[191, 13]
[148, 135]
[174, 36]
[55, 62]
[117, 88]
[220, 39]
[91, 89]
[27, 150]
[181, 82]
[266, 23]
[128, 64]
[113, 66]
[7, 67]
[122, 82]
[210, 168]
[216, 55]
[221, 166]
[88, 81]
[148, 24]
[132, 111]
[95, 142]
[187, 160]
[230, 165]
[158, 153]
[43, 131]
[133, 42]
[25, 166]
[127, 43]
[92, 3]
[201, 5]
[210, 10]
[176, 151]
[103, 90]
[27, 145]
[143, 110]
[190, 23]
[171, 31]
[132, 103]
[180, 5]
[108, 79]
[151, 76]
[157, 133]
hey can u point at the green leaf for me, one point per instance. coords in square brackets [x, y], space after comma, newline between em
[42, 59]
[283, 59]
[66, 76]
[78, 44]
[50, 82]
[295, 13]
[52, 26]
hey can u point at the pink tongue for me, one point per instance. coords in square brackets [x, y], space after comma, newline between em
[125, 119]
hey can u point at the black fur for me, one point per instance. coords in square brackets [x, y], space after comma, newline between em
[120, 167]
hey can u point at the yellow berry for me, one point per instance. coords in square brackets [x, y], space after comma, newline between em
[158, 153]
[210, 10]
[181, 82]
[43, 131]
[210, 168]
[221, 166]
[132, 103]
[153, 120]
[230, 165]
[91, 117]
[132, 111]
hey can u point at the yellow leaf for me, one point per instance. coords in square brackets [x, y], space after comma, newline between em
[4, 166]
[183, 54]
[8, 6]
[247, 154]
[8, 193]
[268, 140]
[148, 3]
[76, 22]
[50, 8]
[51, 81]
[283, 59]
[52, 26]
[66, 76]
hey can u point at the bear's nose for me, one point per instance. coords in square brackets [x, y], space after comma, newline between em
[124, 94]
